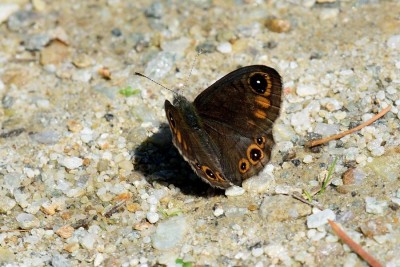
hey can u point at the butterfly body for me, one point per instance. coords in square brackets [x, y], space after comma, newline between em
[226, 133]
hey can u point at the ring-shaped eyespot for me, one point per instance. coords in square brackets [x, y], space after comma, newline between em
[171, 120]
[209, 173]
[260, 83]
[220, 177]
[254, 154]
[260, 141]
[244, 165]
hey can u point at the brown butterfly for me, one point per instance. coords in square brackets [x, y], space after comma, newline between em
[226, 133]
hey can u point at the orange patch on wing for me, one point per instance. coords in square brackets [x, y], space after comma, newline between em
[260, 114]
[263, 102]
[269, 85]
[184, 145]
[179, 136]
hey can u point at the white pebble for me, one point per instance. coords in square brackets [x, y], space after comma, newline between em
[87, 241]
[27, 221]
[71, 162]
[98, 260]
[320, 218]
[152, 217]
[306, 90]
[374, 206]
[6, 10]
[224, 47]
[308, 159]
[393, 42]
[257, 252]
[169, 233]
[218, 212]
[234, 191]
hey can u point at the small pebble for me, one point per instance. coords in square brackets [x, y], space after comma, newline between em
[27, 221]
[169, 233]
[306, 90]
[393, 42]
[278, 25]
[6, 10]
[374, 206]
[152, 217]
[224, 47]
[71, 162]
[320, 218]
[308, 159]
[234, 191]
[218, 211]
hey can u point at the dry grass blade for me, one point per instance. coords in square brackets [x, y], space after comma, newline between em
[354, 246]
[340, 135]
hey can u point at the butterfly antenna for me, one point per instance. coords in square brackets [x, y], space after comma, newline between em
[144, 76]
[191, 69]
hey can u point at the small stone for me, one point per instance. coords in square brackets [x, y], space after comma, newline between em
[393, 42]
[36, 42]
[348, 177]
[257, 252]
[169, 233]
[71, 162]
[152, 217]
[234, 191]
[74, 126]
[71, 247]
[308, 159]
[306, 90]
[133, 207]
[328, 13]
[320, 218]
[49, 208]
[218, 211]
[374, 206]
[325, 129]
[46, 137]
[39, 5]
[65, 231]
[27, 221]
[7, 204]
[278, 25]
[224, 48]
[87, 241]
[55, 53]
[82, 61]
[98, 260]
[259, 184]
[59, 260]
[6, 10]
[155, 10]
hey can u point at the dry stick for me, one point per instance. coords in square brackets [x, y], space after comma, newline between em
[340, 135]
[354, 246]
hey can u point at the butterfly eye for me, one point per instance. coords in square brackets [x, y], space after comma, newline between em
[259, 83]
[254, 154]
[171, 119]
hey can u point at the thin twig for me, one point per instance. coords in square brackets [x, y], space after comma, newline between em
[354, 246]
[305, 201]
[342, 134]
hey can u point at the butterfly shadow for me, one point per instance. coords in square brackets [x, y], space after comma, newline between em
[159, 161]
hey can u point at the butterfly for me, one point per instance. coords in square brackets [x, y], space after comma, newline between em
[225, 134]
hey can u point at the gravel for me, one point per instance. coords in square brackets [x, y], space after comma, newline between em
[88, 174]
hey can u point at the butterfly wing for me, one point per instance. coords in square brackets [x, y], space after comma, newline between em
[194, 143]
[238, 112]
